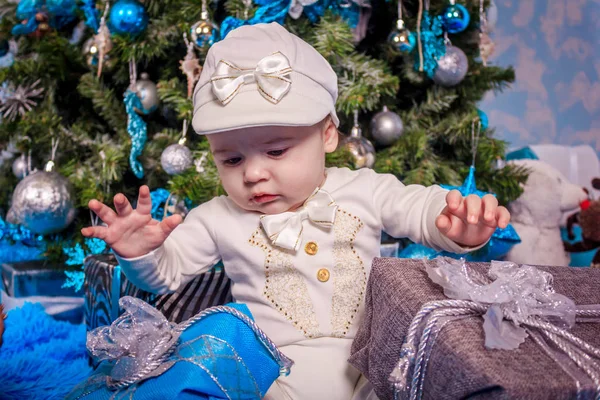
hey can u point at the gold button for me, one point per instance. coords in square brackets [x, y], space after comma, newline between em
[323, 275]
[311, 248]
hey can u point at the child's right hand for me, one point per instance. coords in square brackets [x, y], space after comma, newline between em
[130, 232]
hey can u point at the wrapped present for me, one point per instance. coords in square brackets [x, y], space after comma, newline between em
[105, 284]
[38, 282]
[33, 278]
[218, 354]
[494, 331]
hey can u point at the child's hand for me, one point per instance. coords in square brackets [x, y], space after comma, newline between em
[2, 318]
[131, 233]
[471, 220]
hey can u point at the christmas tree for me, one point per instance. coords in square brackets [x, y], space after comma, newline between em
[102, 91]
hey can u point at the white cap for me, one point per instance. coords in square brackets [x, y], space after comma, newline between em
[246, 81]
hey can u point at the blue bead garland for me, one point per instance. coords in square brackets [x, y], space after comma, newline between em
[432, 42]
[138, 131]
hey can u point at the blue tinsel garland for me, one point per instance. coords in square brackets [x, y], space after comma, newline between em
[277, 10]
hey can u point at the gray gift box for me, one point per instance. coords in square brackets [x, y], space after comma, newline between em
[460, 366]
[105, 284]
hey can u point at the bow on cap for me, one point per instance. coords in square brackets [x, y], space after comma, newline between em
[285, 229]
[269, 76]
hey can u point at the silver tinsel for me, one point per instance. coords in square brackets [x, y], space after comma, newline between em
[452, 67]
[20, 100]
[175, 159]
[147, 92]
[43, 203]
[20, 167]
[386, 127]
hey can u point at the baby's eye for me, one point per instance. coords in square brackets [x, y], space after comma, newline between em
[277, 153]
[232, 161]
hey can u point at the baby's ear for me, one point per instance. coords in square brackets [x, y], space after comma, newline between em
[330, 136]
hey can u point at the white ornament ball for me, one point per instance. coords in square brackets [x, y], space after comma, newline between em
[386, 127]
[175, 159]
[452, 67]
[43, 203]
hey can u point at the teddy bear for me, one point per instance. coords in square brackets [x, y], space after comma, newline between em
[536, 214]
[589, 221]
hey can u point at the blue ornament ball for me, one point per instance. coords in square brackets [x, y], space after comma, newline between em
[128, 17]
[456, 18]
[204, 32]
[403, 40]
[483, 118]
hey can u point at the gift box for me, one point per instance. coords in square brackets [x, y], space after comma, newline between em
[456, 364]
[105, 284]
[38, 282]
[218, 354]
[34, 278]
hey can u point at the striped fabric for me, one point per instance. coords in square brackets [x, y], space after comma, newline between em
[105, 283]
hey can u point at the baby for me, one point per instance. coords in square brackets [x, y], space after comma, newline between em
[297, 239]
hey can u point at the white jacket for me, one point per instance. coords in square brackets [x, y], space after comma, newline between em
[282, 288]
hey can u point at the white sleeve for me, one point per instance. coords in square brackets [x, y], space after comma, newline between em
[411, 210]
[190, 250]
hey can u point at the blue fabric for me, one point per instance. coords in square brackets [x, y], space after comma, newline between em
[583, 259]
[224, 334]
[523, 153]
[41, 358]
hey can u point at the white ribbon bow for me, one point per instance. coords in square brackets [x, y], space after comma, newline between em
[269, 76]
[285, 229]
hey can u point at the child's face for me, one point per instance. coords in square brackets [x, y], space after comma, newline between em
[273, 169]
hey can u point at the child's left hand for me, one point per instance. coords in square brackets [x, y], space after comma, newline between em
[471, 221]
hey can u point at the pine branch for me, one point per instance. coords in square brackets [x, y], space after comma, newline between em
[237, 9]
[198, 187]
[105, 102]
[174, 95]
[160, 35]
[332, 37]
[363, 82]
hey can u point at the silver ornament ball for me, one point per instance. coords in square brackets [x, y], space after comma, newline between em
[386, 127]
[175, 159]
[43, 203]
[20, 167]
[174, 205]
[452, 67]
[362, 149]
[92, 55]
[147, 92]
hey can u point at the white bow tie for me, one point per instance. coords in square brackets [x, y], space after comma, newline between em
[285, 229]
[269, 76]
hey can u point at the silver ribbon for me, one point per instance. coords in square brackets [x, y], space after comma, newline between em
[285, 229]
[141, 341]
[271, 76]
[515, 301]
